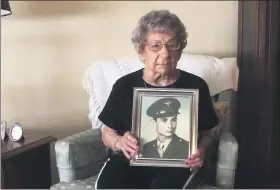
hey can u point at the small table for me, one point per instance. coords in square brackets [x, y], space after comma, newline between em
[26, 163]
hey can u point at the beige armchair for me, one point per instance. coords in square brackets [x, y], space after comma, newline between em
[81, 156]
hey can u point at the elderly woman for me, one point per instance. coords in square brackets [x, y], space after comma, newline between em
[159, 39]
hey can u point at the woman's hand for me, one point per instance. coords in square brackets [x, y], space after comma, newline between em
[196, 160]
[128, 144]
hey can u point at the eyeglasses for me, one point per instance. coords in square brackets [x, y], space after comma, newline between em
[157, 45]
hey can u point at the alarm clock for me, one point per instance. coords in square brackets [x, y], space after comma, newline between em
[3, 130]
[16, 132]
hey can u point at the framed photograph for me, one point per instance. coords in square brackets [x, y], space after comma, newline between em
[165, 123]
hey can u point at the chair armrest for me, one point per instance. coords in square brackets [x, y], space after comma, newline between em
[80, 155]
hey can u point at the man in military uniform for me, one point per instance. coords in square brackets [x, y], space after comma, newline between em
[167, 145]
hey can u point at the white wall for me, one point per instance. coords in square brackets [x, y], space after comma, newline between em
[46, 46]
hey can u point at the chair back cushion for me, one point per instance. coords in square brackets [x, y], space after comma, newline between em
[219, 74]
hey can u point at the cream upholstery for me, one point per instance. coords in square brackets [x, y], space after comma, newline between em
[219, 74]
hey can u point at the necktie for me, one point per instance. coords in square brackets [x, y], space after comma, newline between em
[161, 150]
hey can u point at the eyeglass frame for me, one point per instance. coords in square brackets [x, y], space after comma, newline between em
[162, 44]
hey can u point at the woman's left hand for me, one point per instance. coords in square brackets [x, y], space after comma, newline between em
[196, 160]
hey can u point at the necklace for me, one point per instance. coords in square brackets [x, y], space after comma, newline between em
[173, 81]
[167, 85]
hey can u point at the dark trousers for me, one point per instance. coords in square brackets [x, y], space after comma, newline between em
[117, 174]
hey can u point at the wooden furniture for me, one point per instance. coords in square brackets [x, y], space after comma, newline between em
[257, 127]
[26, 164]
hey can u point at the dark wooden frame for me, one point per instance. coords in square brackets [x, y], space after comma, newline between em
[257, 104]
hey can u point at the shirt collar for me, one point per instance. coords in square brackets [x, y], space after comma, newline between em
[165, 143]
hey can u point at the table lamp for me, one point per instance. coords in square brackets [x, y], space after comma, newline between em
[5, 8]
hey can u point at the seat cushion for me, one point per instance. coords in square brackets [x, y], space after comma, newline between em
[88, 183]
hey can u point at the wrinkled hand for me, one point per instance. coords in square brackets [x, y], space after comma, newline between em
[128, 144]
[196, 160]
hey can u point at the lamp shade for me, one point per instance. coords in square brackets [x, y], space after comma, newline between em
[5, 8]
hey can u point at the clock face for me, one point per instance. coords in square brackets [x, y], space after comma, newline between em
[16, 133]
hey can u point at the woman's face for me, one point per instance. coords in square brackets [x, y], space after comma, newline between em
[161, 53]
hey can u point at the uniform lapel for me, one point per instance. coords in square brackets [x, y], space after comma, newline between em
[169, 149]
[155, 150]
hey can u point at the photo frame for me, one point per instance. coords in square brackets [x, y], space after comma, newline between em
[165, 122]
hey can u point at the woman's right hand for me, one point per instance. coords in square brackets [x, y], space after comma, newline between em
[128, 144]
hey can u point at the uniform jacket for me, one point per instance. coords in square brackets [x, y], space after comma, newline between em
[177, 149]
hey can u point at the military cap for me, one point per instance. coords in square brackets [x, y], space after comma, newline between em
[164, 107]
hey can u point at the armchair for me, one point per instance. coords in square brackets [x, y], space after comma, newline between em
[80, 157]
